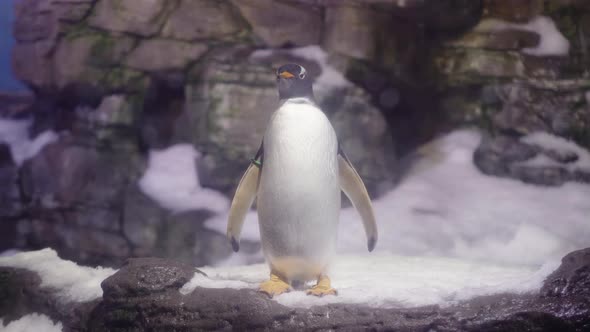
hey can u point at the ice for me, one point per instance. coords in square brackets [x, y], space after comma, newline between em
[171, 180]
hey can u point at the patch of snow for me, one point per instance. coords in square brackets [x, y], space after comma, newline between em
[71, 281]
[446, 207]
[9, 252]
[386, 280]
[171, 180]
[551, 42]
[559, 144]
[330, 78]
[15, 133]
[32, 322]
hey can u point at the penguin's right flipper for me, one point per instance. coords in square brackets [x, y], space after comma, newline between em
[353, 186]
[243, 199]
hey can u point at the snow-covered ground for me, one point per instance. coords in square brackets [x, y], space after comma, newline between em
[30, 323]
[446, 207]
[72, 282]
[385, 280]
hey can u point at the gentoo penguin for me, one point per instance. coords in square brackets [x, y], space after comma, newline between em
[297, 176]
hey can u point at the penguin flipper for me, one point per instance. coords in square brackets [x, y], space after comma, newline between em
[243, 199]
[354, 188]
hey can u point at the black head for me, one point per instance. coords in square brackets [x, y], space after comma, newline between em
[293, 82]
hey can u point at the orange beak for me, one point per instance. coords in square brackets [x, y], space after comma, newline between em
[286, 74]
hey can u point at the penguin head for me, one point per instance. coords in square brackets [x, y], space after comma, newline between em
[293, 82]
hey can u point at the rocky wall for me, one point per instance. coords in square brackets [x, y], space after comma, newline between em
[118, 78]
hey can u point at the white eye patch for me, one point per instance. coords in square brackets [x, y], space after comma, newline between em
[302, 73]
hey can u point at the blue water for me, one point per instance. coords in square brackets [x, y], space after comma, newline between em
[7, 80]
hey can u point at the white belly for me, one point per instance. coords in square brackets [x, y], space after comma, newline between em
[299, 191]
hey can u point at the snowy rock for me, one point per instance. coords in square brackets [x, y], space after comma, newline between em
[149, 287]
[571, 278]
[537, 158]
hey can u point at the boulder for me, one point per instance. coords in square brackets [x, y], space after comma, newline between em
[164, 54]
[144, 18]
[289, 24]
[197, 20]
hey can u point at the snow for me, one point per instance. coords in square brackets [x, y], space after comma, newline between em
[32, 322]
[445, 207]
[330, 78]
[552, 42]
[15, 133]
[171, 180]
[71, 281]
[558, 144]
[391, 281]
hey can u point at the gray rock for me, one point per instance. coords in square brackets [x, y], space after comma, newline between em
[290, 23]
[571, 278]
[32, 64]
[164, 54]
[351, 31]
[194, 20]
[144, 18]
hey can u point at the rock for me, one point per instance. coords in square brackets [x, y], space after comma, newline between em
[149, 288]
[164, 54]
[144, 18]
[478, 66]
[494, 155]
[572, 278]
[216, 20]
[237, 101]
[33, 23]
[514, 11]
[351, 31]
[507, 156]
[290, 24]
[498, 40]
[31, 63]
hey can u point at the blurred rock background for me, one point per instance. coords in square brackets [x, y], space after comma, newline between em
[117, 79]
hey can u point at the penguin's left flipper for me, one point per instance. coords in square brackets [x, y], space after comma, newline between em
[353, 186]
[243, 199]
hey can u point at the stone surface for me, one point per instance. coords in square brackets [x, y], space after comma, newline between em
[506, 156]
[143, 295]
[194, 20]
[513, 11]
[571, 278]
[164, 54]
[143, 18]
[289, 24]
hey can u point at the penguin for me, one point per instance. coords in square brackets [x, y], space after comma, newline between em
[297, 176]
